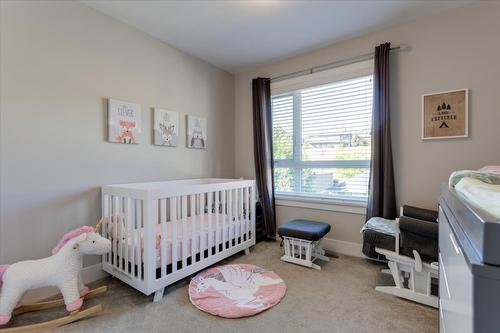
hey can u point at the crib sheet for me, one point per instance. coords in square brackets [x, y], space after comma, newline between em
[225, 232]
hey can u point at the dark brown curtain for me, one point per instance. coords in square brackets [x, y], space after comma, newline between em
[263, 151]
[382, 194]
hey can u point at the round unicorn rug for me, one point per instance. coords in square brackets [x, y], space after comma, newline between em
[233, 291]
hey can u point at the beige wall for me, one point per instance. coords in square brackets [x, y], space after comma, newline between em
[59, 62]
[456, 49]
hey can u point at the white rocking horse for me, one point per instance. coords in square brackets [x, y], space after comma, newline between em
[61, 270]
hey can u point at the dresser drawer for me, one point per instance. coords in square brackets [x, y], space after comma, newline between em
[455, 281]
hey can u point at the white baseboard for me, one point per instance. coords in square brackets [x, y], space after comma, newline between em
[343, 247]
[89, 274]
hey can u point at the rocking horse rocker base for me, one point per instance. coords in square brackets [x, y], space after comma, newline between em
[73, 316]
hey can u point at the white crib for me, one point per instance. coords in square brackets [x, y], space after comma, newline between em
[162, 232]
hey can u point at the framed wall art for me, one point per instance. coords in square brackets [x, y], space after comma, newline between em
[166, 128]
[124, 122]
[196, 132]
[445, 115]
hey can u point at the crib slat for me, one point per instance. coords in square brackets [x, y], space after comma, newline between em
[133, 220]
[241, 214]
[150, 213]
[104, 226]
[184, 231]
[202, 225]
[230, 217]
[225, 232]
[115, 230]
[140, 234]
[163, 236]
[236, 217]
[128, 228]
[192, 204]
[173, 219]
[121, 234]
[110, 231]
[209, 235]
[232, 224]
[168, 249]
[247, 213]
[252, 211]
[236, 203]
[218, 232]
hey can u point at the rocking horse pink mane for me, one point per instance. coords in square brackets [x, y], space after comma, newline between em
[70, 235]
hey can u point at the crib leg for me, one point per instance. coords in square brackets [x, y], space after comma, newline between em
[247, 251]
[158, 295]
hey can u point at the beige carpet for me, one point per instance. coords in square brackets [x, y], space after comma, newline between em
[339, 298]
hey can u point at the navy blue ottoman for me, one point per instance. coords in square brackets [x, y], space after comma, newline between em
[302, 242]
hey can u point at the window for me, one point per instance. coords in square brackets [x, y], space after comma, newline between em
[322, 138]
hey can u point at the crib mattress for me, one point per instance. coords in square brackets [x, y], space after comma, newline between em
[191, 246]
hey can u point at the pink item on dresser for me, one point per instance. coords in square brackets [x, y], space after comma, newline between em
[491, 168]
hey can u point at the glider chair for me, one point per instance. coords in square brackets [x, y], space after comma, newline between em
[409, 244]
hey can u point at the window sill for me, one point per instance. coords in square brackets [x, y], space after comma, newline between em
[334, 205]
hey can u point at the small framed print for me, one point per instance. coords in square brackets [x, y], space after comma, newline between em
[196, 132]
[445, 115]
[124, 122]
[166, 127]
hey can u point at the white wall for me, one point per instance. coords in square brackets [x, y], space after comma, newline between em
[455, 49]
[59, 63]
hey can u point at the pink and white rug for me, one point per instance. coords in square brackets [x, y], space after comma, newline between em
[233, 291]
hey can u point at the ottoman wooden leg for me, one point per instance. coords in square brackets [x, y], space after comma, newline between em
[296, 249]
[302, 242]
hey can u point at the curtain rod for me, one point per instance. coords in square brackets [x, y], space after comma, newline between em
[331, 65]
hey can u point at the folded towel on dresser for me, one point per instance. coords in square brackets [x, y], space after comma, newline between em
[481, 188]
[483, 195]
[488, 174]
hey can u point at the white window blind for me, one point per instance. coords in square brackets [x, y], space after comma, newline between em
[322, 139]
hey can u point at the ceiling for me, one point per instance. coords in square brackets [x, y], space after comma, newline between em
[238, 35]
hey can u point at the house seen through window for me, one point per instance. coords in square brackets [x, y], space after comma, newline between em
[322, 140]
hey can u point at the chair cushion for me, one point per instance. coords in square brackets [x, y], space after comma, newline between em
[373, 239]
[379, 224]
[304, 229]
[420, 213]
[378, 232]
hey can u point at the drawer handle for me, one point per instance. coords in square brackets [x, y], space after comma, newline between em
[457, 249]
